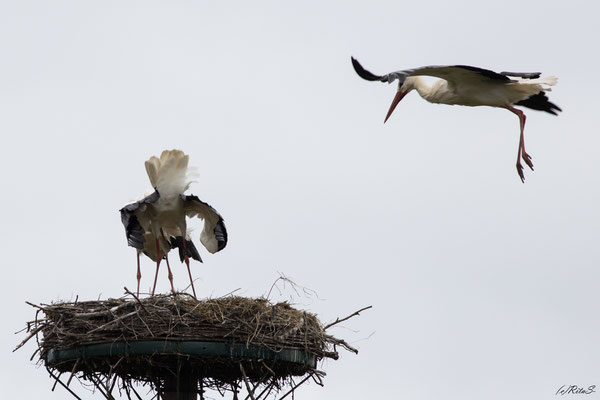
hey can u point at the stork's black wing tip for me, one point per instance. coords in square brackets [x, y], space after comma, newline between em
[363, 73]
[220, 232]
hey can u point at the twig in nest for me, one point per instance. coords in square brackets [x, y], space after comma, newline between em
[268, 369]
[318, 378]
[56, 382]
[136, 298]
[187, 287]
[269, 387]
[235, 392]
[73, 371]
[34, 305]
[113, 321]
[308, 292]
[295, 386]
[113, 384]
[34, 353]
[250, 391]
[341, 342]
[113, 367]
[232, 292]
[135, 392]
[33, 332]
[127, 391]
[62, 384]
[100, 386]
[26, 329]
[337, 321]
[262, 380]
[99, 313]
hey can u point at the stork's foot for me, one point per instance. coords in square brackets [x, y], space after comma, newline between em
[520, 171]
[527, 159]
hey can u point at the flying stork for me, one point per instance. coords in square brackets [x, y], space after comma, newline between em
[157, 223]
[472, 86]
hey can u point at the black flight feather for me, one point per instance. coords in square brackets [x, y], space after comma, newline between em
[363, 73]
[133, 229]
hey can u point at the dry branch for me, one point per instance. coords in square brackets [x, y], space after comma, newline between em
[337, 321]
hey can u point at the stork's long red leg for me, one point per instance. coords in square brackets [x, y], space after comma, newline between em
[139, 273]
[158, 259]
[187, 262]
[170, 274]
[526, 157]
[521, 153]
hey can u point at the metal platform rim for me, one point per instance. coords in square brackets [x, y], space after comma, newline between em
[221, 350]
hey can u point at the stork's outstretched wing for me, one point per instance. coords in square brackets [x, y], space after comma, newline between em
[214, 234]
[459, 73]
[133, 229]
[455, 74]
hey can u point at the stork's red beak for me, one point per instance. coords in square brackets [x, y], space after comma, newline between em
[399, 95]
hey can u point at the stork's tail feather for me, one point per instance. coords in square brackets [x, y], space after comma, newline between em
[548, 80]
[533, 79]
[169, 173]
[540, 102]
[190, 248]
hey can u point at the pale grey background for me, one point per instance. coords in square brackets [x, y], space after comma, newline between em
[482, 287]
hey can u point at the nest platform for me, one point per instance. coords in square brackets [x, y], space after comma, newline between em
[223, 344]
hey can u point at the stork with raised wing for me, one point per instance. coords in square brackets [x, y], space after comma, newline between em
[158, 221]
[472, 86]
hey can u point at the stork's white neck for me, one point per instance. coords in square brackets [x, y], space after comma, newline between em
[432, 93]
[419, 84]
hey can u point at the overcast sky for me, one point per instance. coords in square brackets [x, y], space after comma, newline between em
[481, 286]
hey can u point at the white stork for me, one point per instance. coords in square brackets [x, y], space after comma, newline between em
[471, 86]
[157, 223]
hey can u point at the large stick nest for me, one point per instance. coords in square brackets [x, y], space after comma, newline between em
[181, 318]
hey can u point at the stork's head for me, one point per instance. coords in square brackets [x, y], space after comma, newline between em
[404, 87]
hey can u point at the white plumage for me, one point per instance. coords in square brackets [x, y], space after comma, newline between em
[472, 86]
